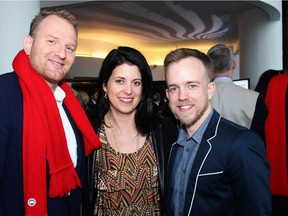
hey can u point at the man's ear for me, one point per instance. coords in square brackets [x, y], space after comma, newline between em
[167, 93]
[233, 64]
[28, 41]
[211, 90]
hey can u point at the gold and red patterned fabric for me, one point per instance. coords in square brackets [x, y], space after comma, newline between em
[127, 184]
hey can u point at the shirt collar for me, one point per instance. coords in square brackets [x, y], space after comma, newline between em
[59, 95]
[218, 79]
[197, 136]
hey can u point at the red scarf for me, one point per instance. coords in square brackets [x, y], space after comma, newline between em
[275, 132]
[44, 139]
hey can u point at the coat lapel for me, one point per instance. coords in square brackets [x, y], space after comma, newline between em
[203, 152]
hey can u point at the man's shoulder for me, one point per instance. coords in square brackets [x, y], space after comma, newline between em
[8, 78]
[9, 84]
[228, 124]
[227, 127]
[246, 93]
[232, 88]
[221, 125]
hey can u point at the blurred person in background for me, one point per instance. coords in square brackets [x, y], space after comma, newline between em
[233, 102]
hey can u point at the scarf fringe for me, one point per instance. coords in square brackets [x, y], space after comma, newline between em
[61, 183]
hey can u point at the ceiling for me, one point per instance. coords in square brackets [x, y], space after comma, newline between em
[153, 27]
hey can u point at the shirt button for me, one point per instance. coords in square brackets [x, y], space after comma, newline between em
[187, 149]
[181, 193]
[184, 170]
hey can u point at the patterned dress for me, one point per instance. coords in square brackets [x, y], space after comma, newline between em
[126, 184]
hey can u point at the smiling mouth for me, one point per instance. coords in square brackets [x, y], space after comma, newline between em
[56, 63]
[126, 100]
[185, 107]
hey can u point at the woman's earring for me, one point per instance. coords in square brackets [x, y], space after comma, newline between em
[105, 95]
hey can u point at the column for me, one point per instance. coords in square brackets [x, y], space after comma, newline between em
[260, 44]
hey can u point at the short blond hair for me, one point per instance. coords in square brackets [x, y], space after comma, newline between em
[182, 53]
[45, 13]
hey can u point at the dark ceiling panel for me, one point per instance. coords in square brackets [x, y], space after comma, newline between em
[170, 21]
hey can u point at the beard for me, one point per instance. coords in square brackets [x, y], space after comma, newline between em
[189, 119]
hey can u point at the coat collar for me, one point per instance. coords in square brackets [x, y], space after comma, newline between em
[203, 152]
[205, 145]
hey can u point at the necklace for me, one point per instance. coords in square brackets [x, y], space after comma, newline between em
[115, 140]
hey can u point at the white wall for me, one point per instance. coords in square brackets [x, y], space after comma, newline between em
[260, 44]
[15, 19]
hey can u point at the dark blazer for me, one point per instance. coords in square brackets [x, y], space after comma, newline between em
[11, 172]
[164, 134]
[230, 174]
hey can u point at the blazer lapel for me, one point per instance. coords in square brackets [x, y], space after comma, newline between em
[203, 152]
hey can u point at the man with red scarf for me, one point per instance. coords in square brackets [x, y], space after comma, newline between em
[44, 132]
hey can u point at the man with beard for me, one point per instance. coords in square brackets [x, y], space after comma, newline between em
[216, 166]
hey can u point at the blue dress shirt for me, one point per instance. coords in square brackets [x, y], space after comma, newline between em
[187, 148]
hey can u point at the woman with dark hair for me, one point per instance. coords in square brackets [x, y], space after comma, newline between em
[126, 175]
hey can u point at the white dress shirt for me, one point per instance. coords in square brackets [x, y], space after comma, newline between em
[59, 95]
